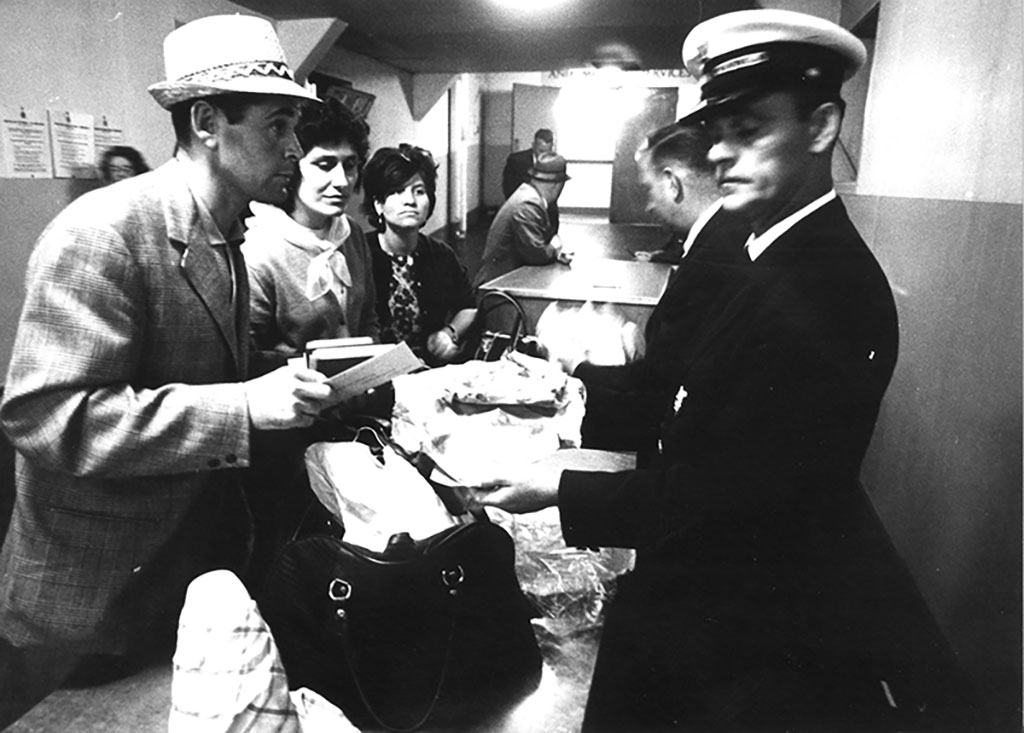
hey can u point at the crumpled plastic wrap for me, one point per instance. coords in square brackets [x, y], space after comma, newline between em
[474, 418]
[569, 585]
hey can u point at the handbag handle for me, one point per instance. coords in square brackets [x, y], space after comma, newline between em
[340, 590]
[315, 512]
[484, 307]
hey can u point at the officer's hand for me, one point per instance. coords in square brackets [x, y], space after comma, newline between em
[526, 490]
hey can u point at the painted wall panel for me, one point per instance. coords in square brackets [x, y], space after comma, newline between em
[944, 469]
[944, 108]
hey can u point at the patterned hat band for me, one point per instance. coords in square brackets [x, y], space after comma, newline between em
[240, 70]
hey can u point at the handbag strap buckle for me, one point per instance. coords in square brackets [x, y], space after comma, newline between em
[452, 578]
[339, 590]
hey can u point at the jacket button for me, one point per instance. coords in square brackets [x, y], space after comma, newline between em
[213, 462]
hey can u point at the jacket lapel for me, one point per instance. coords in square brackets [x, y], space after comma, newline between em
[206, 271]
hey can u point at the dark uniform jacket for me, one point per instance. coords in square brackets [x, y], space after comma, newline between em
[625, 403]
[766, 592]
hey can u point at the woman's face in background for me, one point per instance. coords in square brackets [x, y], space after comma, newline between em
[120, 168]
[408, 208]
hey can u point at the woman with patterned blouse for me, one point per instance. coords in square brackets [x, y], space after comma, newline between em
[423, 294]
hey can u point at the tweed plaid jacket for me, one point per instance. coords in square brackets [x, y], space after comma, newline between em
[124, 404]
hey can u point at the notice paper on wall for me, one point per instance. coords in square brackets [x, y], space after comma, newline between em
[73, 142]
[24, 143]
[108, 131]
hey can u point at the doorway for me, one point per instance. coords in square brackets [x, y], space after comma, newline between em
[597, 129]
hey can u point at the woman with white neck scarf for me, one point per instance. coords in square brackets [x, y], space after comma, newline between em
[309, 264]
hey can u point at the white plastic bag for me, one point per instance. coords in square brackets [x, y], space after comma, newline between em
[596, 332]
[374, 497]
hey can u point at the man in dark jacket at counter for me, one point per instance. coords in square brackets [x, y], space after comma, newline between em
[522, 232]
[125, 397]
[766, 594]
[519, 164]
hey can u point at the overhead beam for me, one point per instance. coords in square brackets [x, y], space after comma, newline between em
[426, 90]
[306, 40]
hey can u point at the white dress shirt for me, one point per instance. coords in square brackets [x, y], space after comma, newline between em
[698, 225]
[757, 245]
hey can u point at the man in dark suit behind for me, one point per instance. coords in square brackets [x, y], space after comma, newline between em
[125, 397]
[766, 595]
[624, 403]
[519, 164]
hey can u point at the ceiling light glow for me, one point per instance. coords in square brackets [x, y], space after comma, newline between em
[529, 6]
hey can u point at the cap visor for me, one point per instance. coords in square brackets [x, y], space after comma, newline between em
[708, 108]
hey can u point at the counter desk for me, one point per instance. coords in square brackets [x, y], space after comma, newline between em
[141, 703]
[633, 287]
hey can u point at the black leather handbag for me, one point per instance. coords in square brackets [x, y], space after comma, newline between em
[436, 630]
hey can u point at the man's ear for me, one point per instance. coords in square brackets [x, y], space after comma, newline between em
[674, 183]
[205, 119]
[825, 123]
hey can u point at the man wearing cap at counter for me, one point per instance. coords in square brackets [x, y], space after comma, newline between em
[523, 232]
[766, 594]
[624, 402]
[124, 398]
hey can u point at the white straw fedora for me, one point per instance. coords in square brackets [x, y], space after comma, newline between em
[221, 54]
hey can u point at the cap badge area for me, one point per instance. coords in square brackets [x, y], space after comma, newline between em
[737, 63]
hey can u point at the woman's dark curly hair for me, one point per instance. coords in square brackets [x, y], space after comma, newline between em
[133, 156]
[389, 170]
[330, 123]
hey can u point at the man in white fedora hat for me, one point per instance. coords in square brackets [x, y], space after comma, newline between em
[767, 595]
[125, 398]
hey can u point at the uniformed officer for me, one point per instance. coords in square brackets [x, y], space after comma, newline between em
[767, 594]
